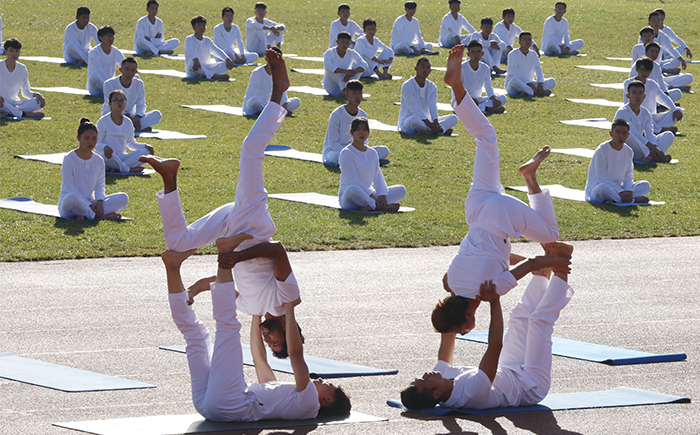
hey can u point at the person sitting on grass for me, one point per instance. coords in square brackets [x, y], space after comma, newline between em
[259, 89]
[198, 52]
[493, 46]
[77, 36]
[476, 76]
[148, 38]
[555, 34]
[341, 64]
[507, 30]
[452, 25]
[227, 36]
[14, 78]
[378, 56]
[344, 24]
[525, 76]
[362, 184]
[103, 61]
[261, 33]
[116, 135]
[406, 37]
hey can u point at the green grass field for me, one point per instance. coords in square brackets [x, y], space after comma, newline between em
[436, 171]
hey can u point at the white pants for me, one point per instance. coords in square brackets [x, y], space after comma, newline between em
[334, 83]
[670, 63]
[216, 371]
[17, 108]
[152, 118]
[515, 86]
[528, 342]
[258, 42]
[405, 48]
[354, 197]
[679, 80]
[207, 69]
[248, 56]
[664, 119]
[155, 47]
[76, 53]
[492, 56]
[95, 83]
[124, 163]
[484, 102]
[604, 192]
[554, 49]
[73, 205]
[255, 105]
[330, 157]
[413, 124]
[384, 55]
[663, 142]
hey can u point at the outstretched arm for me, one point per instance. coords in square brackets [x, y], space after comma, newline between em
[272, 250]
[538, 263]
[257, 348]
[295, 348]
[489, 362]
[447, 347]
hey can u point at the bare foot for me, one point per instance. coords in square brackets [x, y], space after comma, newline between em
[685, 88]
[147, 129]
[136, 169]
[641, 199]
[448, 132]
[278, 70]
[228, 244]
[530, 167]
[112, 216]
[174, 259]
[558, 249]
[672, 71]
[36, 115]
[608, 201]
[202, 284]
[573, 53]
[498, 70]
[222, 77]
[365, 208]
[499, 109]
[167, 168]
[148, 53]
[166, 52]
[453, 75]
[672, 129]
[424, 132]
[80, 218]
[392, 207]
[385, 76]
[546, 93]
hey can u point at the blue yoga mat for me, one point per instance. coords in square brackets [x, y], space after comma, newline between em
[620, 396]
[59, 377]
[593, 352]
[325, 368]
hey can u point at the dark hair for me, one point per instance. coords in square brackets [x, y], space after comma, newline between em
[474, 43]
[520, 37]
[276, 325]
[197, 19]
[227, 9]
[343, 6]
[105, 30]
[354, 85]
[454, 1]
[646, 29]
[654, 14]
[410, 5]
[130, 59]
[86, 125]
[415, 401]
[660, 12]
[635, 84]
[652, 44]
[12, 43]
[450, 313]
[360, 120]
[508, 11]
[340, 407]
[560, 3]
[644, 62]
[343, 35]
[260, 5]
[486, 20]
[368, 22]
[276, 49]
[82, 10]
[422, 59]
[619, 122]
[116, 91]
[151, 2]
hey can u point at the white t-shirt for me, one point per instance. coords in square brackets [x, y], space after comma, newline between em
[654, 96]
[259, 292]
[84, 177]
[202, 50]
[260, 85]
[367, 50]
[281, 400]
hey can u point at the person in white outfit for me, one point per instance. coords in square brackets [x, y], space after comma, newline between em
[646, 145]
[508, 31]
[555, 34]
[663, 121]
[227, 36]
[406, 37]
[135, 92]
[103, 61]
[116, 134]
[452, 25]
[524, 76]
[259, 89]
[493, 46]
[83, 182]
[148, 38]
[261, 33]
[338, 134]
[682, 46]
[476, 76]
[378, 56]
[344, 24]
[672, 60]
[672, 85]
[493, 218]
[362, 184]
[199, 50]
[611, 171]
[516, 370]
[77, 36]
[418, 113]
[2, 48]
[14, 78]
[342, 64]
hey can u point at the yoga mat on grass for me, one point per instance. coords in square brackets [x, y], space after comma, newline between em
[291, 153]
[377, 125]
[311, 91]
[56, 159]
[58, 377]
[166, 135]
[64, 90]
[440, 106]
[26, 205]
[616, 397]
[592, 352]
[46, 59]
[596, 102]
[627, 59]
[309, 58]
[605, 68]
[325, 368]
[195, 423]
[219, 108]
[619, 86]
[23, 118]
[559, 191]
[601, 123]
[314, 71]
[324, 201]
[164, 72]
[588, 153]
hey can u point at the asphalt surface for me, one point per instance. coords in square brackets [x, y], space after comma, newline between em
[367, 307]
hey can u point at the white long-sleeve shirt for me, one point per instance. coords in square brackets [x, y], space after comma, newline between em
[260, 85]
[117, 137]
[332, 61]
[451, 27]
[406, 31]
[336, 27]
[230, 39]
[417, 101]
[641, 126]
[476, 82]
[2, 50]
[654, 96]
[612, 168]
[338, 134]
[84, 177]
[367, 50]
[202, 50]
[361, 169]
[486, 43]
[675, 38]
[508, 36]
[555, 31]
[656, 74]
[12, 83]
[525, 67]
[107, 64]
[664, 41]
[135, 96]
[81, 37]
[254, 39]
[639, 51]
[144, 29]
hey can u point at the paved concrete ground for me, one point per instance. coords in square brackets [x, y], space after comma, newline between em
[369, 307]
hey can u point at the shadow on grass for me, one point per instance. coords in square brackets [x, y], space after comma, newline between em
[73, 65]
[356, 217]
[425, 140]
[336, 99]
[111, 179]
[94, 99]
[73, 228]
[622, 211]
[647, 167]
[331, 168]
